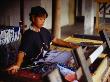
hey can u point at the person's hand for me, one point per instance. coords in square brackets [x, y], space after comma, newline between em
[13, 69]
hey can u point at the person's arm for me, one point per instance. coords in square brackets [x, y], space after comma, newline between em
[61, 42]
[14, 68]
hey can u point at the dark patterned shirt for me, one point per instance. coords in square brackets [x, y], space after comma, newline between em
[32, 42]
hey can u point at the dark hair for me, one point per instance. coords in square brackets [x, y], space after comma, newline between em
[38, 11]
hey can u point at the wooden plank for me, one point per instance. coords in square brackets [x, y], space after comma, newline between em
[96, 53]
[79, 73]
[55, 76]
[97, 77]
[87, 36]
[98, 74]
[85, 68]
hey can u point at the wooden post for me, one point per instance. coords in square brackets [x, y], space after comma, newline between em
[56, 14]
[97, 19]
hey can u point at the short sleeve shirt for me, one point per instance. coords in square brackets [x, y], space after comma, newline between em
[32, 42]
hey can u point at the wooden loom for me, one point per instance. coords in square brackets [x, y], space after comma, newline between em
[90, 68]
[102, 7]
[95, 68]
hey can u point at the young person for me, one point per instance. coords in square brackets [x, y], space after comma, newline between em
[35, 40]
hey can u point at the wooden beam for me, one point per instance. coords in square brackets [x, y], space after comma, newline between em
[83, 62]
[103, 1]
[101, 70]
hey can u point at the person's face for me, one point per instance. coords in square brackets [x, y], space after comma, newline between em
[39, 21]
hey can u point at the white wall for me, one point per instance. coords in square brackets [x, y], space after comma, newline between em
[11, 12]
[64, 13]
[27, 8]
[47, 4]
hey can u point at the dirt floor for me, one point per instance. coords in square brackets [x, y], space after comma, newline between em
[69, 30]
[78, 28]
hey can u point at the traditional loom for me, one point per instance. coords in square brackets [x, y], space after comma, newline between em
[91, 57]
[91, 60]
[95, 66]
